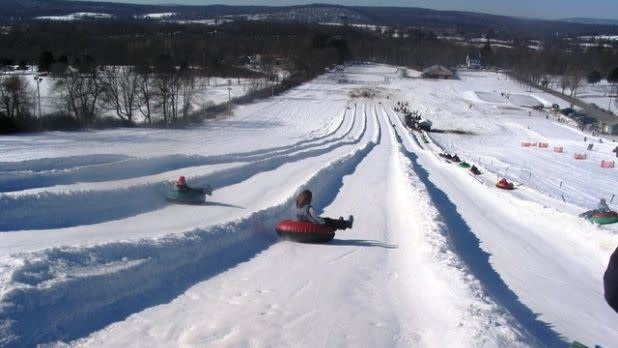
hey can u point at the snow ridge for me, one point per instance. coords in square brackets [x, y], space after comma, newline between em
[99, 168]
[487, 285]
[56, 294]
[74, 208]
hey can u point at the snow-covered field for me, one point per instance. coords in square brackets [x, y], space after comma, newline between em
[76, 16]
[92, 255]
[603, 94]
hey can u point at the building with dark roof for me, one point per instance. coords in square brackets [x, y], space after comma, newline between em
[437, 72]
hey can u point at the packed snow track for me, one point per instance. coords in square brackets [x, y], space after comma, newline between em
[92, 254]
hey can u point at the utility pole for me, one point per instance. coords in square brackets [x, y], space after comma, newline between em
[609, 107]
[229, 101]
[38, 80]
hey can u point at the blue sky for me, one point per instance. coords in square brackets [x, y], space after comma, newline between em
[549, 9]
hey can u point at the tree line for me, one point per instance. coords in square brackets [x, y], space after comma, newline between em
[150, 68]
[161, 78]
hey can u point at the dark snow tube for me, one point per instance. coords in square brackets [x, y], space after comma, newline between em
[304, 231]
[610, 281]
[605, 218]
[187, 197]
[505, 185]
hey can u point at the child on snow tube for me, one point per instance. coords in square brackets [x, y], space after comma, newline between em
[601, 208]
[180, 185]
[305, 212]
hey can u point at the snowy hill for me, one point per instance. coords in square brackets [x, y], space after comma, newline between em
[92, 254]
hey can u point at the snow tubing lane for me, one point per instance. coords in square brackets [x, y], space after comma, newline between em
[188, 197]
[304, 231]
[606, 218]
[505, 186]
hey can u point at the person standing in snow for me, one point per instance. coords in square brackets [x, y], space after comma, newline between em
[610, 281]
[305, 212]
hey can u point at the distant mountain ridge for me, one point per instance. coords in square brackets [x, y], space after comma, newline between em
[454, 21]
[583, 20]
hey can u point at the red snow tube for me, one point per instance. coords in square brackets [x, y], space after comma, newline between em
[505, 185]
[305, 231]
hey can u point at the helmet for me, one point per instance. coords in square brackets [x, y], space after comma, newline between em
[181, 180]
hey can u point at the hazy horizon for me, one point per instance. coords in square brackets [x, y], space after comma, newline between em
[549, 9]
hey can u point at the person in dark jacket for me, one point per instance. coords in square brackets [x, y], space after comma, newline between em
[610, 281]
[180, 185]
[474, 170]
[305, 212]
[602, 207]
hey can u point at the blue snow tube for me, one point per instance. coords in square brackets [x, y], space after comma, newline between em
[192, 196]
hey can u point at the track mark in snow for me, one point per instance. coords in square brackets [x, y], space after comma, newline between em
[467, 246]
[200, 335]
[344, 256]
[58, 210]
[118, 168]
[59, 163]
[57, 305]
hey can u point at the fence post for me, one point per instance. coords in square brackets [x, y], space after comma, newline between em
[564, 200]
[561, 184]
[611, 200]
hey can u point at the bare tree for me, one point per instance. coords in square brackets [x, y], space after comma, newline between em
[162, 84]
[16, 96]
[255, 84]
[145, 94]
[174, 89]
[120, 88]
[575, 82]
[80, 92]
[576, 78]
[188, 88]
[564, 81]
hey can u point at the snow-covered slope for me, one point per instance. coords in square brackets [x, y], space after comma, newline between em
[92, 255]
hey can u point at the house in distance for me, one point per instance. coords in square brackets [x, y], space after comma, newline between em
[473, 61]
[437, 72]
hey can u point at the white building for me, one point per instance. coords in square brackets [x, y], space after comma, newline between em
[473, 61]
